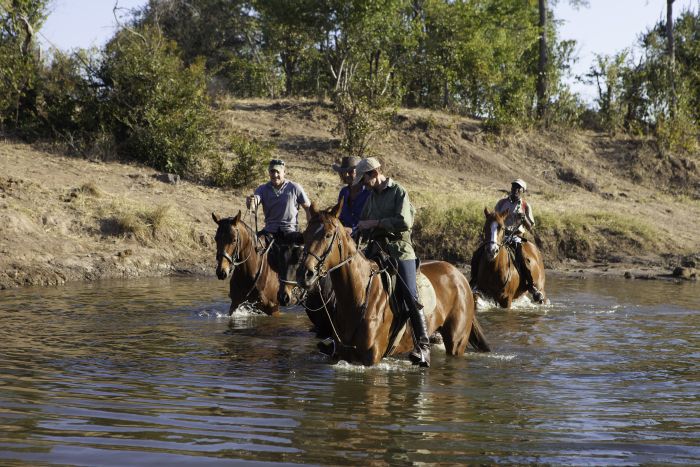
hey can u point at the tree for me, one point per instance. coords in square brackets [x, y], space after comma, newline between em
[19, 59]
[542, 64]
[671, 56]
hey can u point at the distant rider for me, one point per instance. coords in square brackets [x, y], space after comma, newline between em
[519, 219]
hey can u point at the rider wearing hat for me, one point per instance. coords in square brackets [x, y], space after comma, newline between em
[353, 196]
[519, 219]
[386, 221]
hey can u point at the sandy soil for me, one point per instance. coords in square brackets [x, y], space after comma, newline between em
[58, 213]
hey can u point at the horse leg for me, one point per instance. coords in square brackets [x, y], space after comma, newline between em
[458, 322]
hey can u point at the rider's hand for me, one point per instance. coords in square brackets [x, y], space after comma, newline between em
[367, 224]
[251, 202]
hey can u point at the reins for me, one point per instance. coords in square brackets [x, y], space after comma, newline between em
[234, 260]
[322, 272]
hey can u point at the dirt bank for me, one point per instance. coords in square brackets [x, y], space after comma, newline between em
[606, 206]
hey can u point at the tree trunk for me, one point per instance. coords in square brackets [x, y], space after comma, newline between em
[671, 55]
[542, 63]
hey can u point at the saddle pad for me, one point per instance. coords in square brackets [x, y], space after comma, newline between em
[426, 295]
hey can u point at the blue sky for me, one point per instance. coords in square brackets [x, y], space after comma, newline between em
[605, 27]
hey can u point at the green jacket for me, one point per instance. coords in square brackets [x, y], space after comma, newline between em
[395, 213]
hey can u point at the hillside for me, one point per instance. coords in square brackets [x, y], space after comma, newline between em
[603, 203]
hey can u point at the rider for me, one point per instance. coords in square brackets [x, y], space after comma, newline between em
[353, 196]
[280, 199]
[386, 220]
[519, 219]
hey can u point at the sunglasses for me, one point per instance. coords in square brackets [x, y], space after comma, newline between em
[276, 162]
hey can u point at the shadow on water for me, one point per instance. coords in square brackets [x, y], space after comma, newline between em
[154, 371]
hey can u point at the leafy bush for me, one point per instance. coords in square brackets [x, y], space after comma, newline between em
[247, 166]
[68, 105]
[156, 108]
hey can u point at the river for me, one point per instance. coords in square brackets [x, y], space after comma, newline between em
[146, 372]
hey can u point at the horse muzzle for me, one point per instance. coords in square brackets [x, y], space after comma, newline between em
[223, 273]
[306, 278]
[492, 250]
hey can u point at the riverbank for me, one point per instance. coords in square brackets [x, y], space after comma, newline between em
[604, 205]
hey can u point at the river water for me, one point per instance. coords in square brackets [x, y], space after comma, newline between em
[154, 372]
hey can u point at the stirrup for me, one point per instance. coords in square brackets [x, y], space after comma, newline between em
[327, 346]
[420, 356]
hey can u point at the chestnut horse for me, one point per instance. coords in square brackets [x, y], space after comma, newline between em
[498, 276]
[252, 277]
[363, 319]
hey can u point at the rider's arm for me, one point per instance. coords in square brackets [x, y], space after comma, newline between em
[253, 200]
[528, 218]
[304, 201]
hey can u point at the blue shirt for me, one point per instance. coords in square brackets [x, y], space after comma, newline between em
[350, 214]
[281, 206]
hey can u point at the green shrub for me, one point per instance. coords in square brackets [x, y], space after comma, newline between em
[247, 165]
[447, 230]
[157, 109]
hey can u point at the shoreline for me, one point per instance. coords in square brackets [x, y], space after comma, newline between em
[53, 277]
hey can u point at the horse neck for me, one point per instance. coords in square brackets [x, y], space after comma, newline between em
[251, 265]
[350, 280]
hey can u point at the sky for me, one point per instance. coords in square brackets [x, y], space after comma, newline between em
[604, 27]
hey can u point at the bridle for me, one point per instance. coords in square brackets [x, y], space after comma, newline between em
[233, 257]
[320, 269]
[503, 243]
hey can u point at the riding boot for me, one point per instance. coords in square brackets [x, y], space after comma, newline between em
[421, 352]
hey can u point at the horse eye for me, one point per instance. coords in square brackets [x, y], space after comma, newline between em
[328, 235]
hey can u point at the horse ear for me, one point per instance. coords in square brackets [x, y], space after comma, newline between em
[238, 217]
[313, 209]
[486, 212]
[216, 218]
[335, 210]
[504, 213]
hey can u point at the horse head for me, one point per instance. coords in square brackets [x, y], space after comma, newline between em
[286, 256]
[325, 241]
[494, 230]
[228, 244]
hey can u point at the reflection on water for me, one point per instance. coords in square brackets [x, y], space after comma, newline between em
[154, 372]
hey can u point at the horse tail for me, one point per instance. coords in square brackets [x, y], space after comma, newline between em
[477, 338]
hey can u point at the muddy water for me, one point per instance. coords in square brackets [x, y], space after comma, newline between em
[153, 372]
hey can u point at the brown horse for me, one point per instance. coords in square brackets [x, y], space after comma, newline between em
[253, 278]
[498, 276]
[363, 319]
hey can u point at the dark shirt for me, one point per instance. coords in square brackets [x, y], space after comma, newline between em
[350, 214]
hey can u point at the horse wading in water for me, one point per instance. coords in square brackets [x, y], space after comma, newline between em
[362, 323]
[498, 276]
[253, 278]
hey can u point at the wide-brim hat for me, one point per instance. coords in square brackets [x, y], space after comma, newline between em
[365, 166]
[520, 182]
[347, 163]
